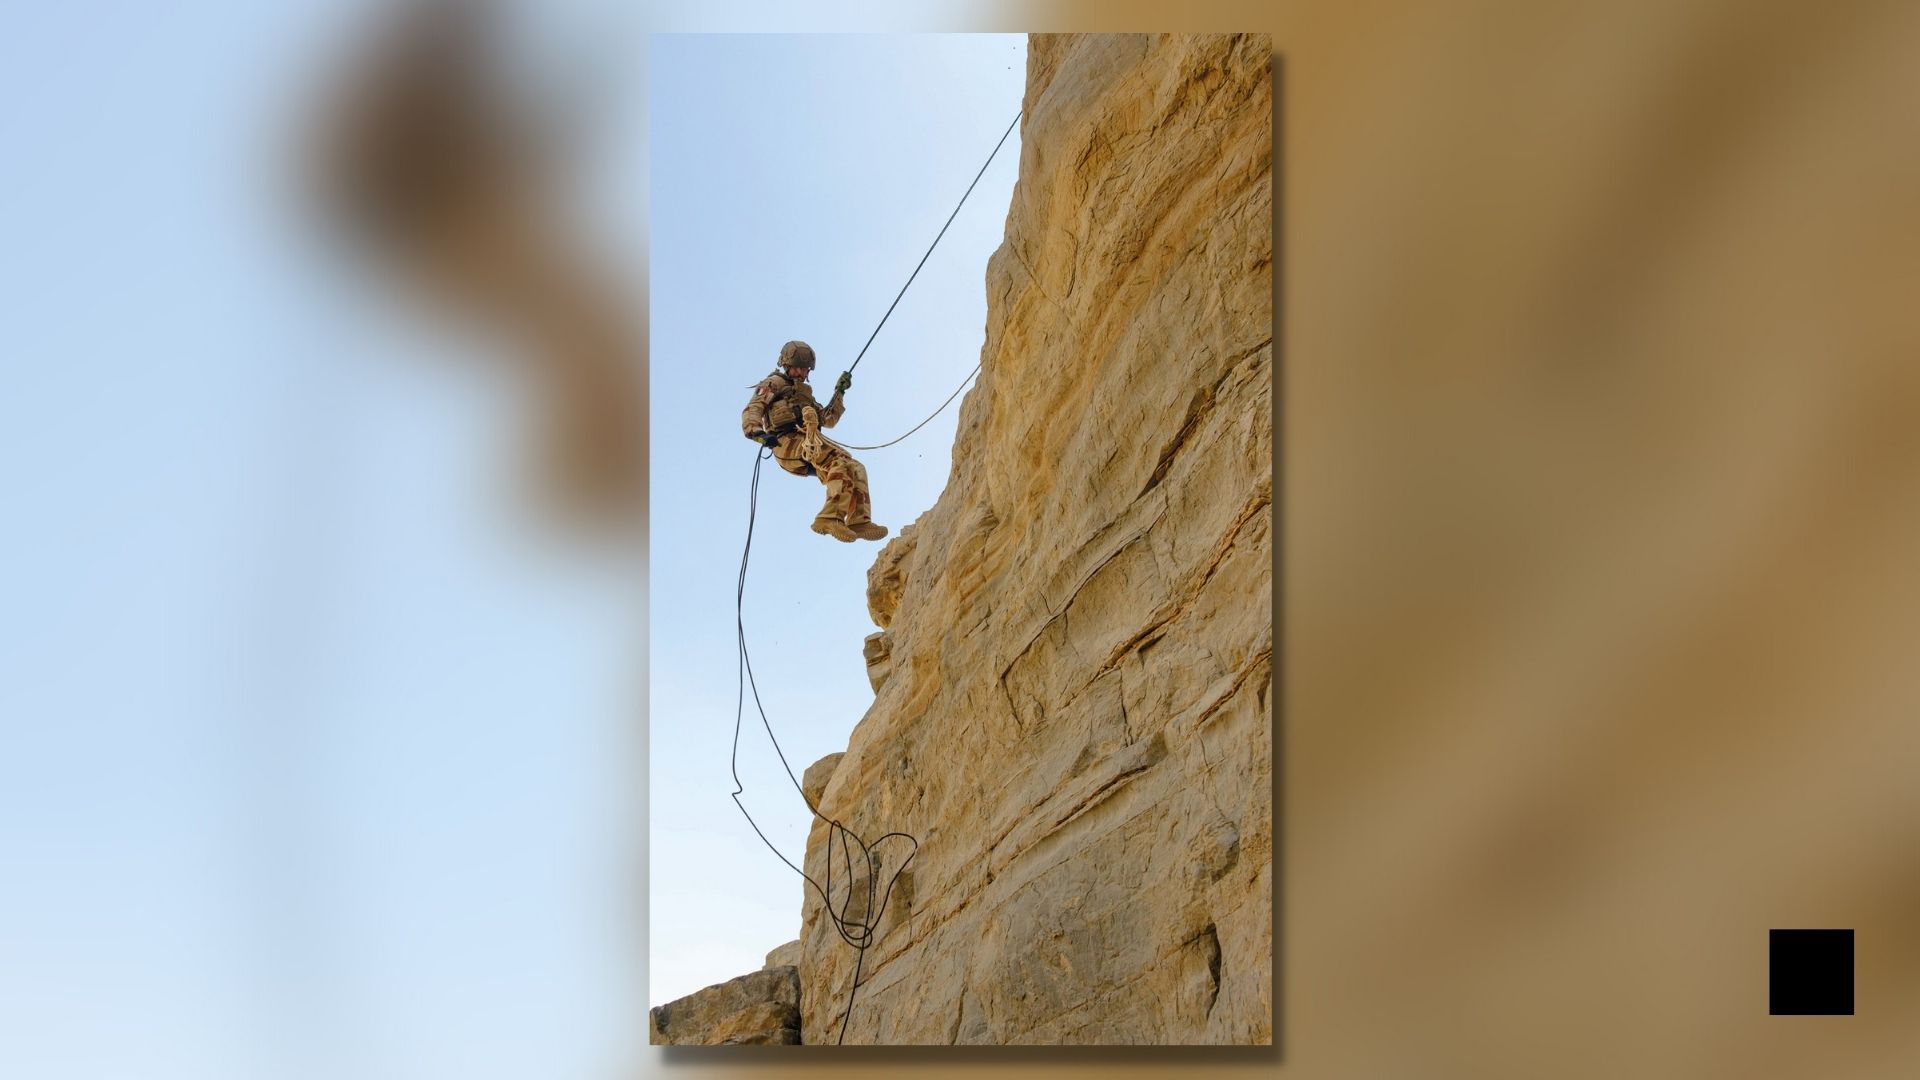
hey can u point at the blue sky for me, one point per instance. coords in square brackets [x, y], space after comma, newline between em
[794, 183]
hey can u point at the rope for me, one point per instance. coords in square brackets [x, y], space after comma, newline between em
[859, 932]
[921, 424]
[936, 242]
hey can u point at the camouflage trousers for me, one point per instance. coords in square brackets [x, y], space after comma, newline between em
[846, 479]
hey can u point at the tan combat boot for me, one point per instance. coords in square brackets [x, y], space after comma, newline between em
[867, 530]
[828, 525]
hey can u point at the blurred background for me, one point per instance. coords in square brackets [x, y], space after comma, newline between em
[321, 632]
[1598, 598]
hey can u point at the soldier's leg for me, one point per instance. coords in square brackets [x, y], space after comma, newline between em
[847, 493]
[859, 500]
[831, 520]
[847, 508]
[788, 455]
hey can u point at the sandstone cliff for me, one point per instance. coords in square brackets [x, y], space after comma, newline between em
[1072, 711]
[760, 1009]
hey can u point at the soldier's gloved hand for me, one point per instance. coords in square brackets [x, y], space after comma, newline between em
[843, 383]
[768, 439]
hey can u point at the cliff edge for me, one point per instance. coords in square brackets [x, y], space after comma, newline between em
[1072, 707]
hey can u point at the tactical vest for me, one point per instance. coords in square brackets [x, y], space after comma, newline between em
[785, 411]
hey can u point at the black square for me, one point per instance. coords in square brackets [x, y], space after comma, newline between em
[1810, 972]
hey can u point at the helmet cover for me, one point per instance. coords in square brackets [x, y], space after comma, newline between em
[796, 354]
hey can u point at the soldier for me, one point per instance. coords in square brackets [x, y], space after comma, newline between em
[784, 416]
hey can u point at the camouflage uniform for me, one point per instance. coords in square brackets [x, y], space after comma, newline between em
[785, 407]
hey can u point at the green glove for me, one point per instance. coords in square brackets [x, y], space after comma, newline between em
[845, 381]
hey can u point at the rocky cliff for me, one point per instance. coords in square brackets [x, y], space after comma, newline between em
[1072, 709]
[760, 1009]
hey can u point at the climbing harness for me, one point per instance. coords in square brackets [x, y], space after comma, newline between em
[861, 930]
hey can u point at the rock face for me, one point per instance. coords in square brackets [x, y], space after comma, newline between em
[887, 577]
[753, 1010]
[787, 955]
[813, 782]
[1074, 716]
[877, 650]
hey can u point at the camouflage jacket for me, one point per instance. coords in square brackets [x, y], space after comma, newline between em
[778, 403]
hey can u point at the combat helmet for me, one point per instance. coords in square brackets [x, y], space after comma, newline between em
[796, 354]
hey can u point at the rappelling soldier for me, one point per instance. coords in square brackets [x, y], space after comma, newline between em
[784, 417]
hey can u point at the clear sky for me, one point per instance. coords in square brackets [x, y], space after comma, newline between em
[795, 182]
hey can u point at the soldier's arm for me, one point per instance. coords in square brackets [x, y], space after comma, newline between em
[753, 419]
[838, 405]
[830, 415]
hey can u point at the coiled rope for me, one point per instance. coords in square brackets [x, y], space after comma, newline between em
[861, 930]
[857, 931]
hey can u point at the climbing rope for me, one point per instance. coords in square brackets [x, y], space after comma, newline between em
[861, 931]
[903, 292]
[858, 931]
[936, 241]
[921, 424]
